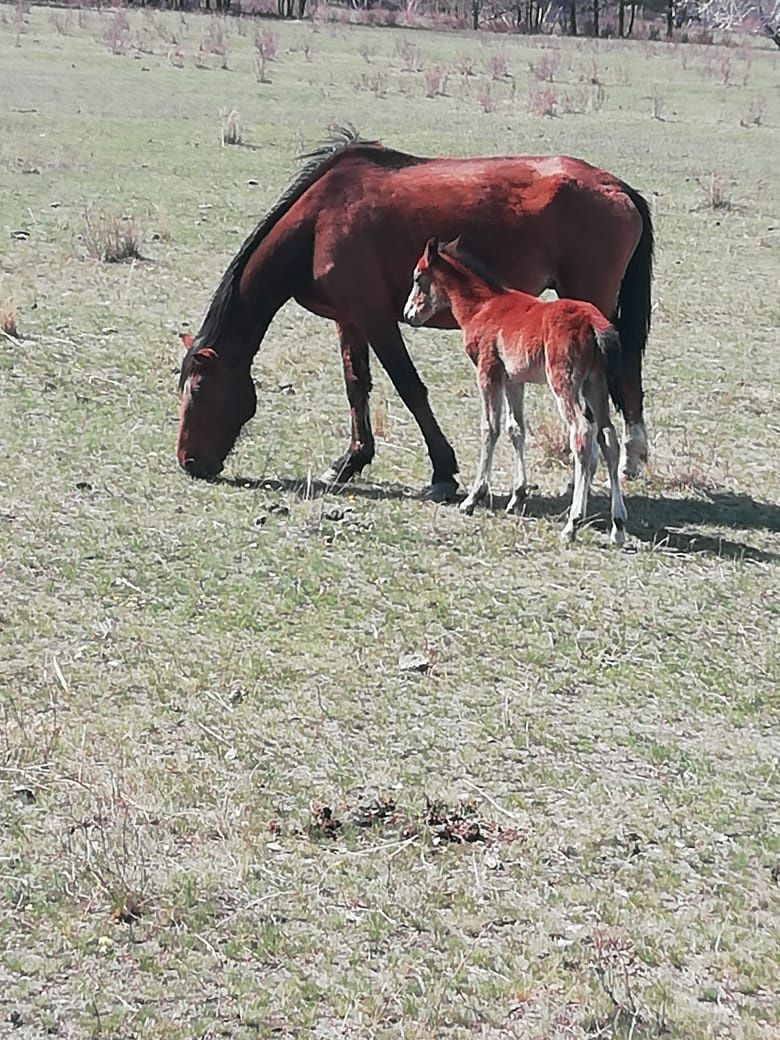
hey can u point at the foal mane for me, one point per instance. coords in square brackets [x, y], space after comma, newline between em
[340, 141]
[462, 260]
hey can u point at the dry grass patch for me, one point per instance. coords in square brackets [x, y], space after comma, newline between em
[110, 238]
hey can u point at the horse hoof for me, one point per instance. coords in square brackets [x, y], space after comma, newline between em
[567, 535]
[467, 507]
[618, 537]
[442, 491]
[335, 476]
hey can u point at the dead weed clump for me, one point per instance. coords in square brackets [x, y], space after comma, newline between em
[110, 239]
[9, 325]
[231, 130]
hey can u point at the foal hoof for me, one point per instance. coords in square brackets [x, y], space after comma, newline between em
[567, 535]
[441, 491]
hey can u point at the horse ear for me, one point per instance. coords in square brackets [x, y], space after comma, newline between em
[431, 249]
[186, 340]
[203, 357]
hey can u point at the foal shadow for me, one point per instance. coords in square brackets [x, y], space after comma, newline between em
[656, 521]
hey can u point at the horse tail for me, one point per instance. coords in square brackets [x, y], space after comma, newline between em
[610, 347]
[633, 313]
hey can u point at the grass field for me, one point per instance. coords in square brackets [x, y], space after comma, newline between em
[230, 806]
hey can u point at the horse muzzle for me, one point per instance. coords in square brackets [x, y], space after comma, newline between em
[203, 469]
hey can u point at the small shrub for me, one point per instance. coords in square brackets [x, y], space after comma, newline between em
[754, 113]
[715, 195]
[658, 106]
[62, 22]
[464, 66]
[543, 101]
[725, 70]
[116, 35]
[497, 67]
[574, 102]
[546, 66]
[435, 81]
[110, 239]
[366, 52]
[551, 440]
[231, 131]
[409, 54]
[8, 323]
[176, 56]
[486, 98]
[266, 49]
[306, 48]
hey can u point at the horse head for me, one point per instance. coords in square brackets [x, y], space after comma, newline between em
[216, 399]
[426, 297]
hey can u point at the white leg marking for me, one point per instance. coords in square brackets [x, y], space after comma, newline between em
[492, 407]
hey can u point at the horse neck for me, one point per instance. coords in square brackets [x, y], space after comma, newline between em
[465, 297]
[275, 272]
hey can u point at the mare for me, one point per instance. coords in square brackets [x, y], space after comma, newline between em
[514, 338]
[342, 240]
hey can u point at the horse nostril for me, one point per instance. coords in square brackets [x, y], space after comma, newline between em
[203, 468]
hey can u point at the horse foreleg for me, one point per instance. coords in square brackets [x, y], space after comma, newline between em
[389, 347]
[492, 406]
[515, 396]
[357, 378]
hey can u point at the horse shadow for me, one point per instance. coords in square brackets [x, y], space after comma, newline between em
[656, 521]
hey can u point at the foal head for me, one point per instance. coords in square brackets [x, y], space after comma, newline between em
[215, 402]
[427, 296]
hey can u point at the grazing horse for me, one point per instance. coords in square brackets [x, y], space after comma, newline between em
[513, 339]
[342, 240]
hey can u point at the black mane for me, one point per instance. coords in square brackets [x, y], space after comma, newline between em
[474, 266]
[340, 139]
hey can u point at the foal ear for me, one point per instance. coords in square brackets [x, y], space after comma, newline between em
[431, 249]
[186, 340]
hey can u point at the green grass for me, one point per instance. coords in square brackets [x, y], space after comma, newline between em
[189, 670]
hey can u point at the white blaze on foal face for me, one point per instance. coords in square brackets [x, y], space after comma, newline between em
[422, 303]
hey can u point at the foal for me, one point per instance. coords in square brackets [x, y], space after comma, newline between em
[513, 339]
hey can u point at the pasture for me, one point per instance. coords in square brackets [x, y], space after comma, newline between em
[282, 764]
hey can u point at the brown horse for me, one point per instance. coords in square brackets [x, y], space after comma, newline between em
[514, 338]
[342, 240]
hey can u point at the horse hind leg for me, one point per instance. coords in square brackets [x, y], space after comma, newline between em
[492, 391]
[581, 443]
[515, 397]
[598, 398]
[357, 378]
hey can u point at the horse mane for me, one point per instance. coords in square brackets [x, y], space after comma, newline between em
[461, 258]
[340, 141]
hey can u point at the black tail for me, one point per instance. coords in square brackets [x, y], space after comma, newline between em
[608, 342]
[632, 318]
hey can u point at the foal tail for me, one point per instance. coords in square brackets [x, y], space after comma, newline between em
[632, 316]
[611, 349]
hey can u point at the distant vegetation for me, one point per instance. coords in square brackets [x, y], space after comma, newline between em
[689, 20]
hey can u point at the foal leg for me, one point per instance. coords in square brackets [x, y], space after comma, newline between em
[492, 407]
[598, 399]
[581, 443]
[601, 288]
[357, 377]
[515, 427]
[390, 348]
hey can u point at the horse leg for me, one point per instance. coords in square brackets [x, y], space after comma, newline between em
[581, 444]
[357, 377]
[597, 397]
[515, 394]
[389, 347]
[490, 385]
[603, 292]
[635, 435]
